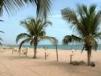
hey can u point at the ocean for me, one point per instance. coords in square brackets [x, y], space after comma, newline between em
[64, 47]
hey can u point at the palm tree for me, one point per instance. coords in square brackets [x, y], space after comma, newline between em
[42, 6]
[36, 33]
[56, 45]
[86, 21]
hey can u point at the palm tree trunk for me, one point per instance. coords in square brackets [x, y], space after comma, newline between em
[35, 51]
[57, 53]
[35, 47]
[89, 57]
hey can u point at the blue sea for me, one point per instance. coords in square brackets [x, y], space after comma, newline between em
[64, 47]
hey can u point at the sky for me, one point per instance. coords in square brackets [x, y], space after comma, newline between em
[12, 27]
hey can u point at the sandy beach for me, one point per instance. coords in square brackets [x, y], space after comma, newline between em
[15, 65]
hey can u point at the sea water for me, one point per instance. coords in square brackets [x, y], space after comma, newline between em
[64, 47]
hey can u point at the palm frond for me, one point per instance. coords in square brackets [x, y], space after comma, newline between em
[51, 39]
[43, 6]
[46, 23]
[21, 36]
[1, 39]
[1, 20]
[85, 10]
[24, 41]
[1, 32]
[1, 43]
[92, 9]
[71, 38]
[94, 45]
[28, 25]
[97, 21]
[70, 15]
[97, 35]
[35, 26]
[10, 4]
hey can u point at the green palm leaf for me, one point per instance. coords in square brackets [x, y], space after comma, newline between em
[1, 39]
[43, 6]
[21, 36]
[70, 15]
[24, 41]
[51, 39]
[71, 38]
[0, 43]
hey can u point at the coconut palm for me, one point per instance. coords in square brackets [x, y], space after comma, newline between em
[42, 6]
[36, 33]
[86, 21]
[57, 56]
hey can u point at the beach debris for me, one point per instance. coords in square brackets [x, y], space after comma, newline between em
[92, 64]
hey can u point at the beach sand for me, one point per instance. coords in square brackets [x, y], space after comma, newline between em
[15, 65]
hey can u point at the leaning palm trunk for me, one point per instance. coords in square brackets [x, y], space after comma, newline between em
[57, 54]
[89, 56]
